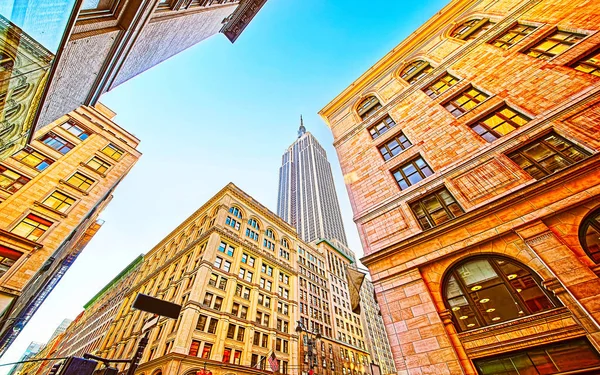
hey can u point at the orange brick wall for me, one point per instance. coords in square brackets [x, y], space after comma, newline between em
[506, 211]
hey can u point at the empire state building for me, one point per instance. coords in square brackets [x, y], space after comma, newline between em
[307, 198]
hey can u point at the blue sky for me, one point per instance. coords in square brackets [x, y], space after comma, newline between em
[220, 112]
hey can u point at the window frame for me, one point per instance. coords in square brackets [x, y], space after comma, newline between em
[67, 197]
[490, 258]
[49, 226]
[435, 192]
[535, 163]
[592, 219]
[413, 162]
[374, 131]
[547, 37]
[510, 29]
[104, 163]
[368, 106]
[388, 150]
[584, 60]
[497, 112]
[20, 180]
[57, 138]
[464, 92]
[31, 152]
[417, 73]
[116, 149]
[481, 22]
[434, 93]
[72, 125]
[93, 182]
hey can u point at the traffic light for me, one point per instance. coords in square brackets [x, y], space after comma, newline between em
[78, 366]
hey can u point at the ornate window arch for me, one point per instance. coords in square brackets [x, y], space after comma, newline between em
[471, 28]
[270, 233]
[235, 212]
[368, 106]
[589, 235]
[254, 223]
[285, 243]
[414, 70]
[487, 289]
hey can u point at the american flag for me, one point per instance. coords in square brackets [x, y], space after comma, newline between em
[273, 362]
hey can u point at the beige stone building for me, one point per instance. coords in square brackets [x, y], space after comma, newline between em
[324, 307]
[470, 154]
[51, 194]
[232, 267]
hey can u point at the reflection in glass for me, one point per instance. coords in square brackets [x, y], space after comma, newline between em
[490, 290]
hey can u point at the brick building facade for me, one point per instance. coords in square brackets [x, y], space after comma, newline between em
[470, 154]
[51, 194]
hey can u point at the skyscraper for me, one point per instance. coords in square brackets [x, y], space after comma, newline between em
[307, 198]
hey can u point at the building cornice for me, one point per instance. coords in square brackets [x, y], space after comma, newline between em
[410, 44]
[240, 18]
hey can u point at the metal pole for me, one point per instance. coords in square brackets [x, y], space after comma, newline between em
[138, 354]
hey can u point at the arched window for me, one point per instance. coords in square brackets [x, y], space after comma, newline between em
[368, 106]
[471, 29]
[284, 243]
[486, 290]
[415, 70]
[269, 233]
[253, 234]
[589, 235]
[236, 212]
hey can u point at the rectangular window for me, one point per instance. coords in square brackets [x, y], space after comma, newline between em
[8, 257]
[465, 101]
[501, 122]
[212, 281]
[558, 358]
[112, 151]
[218, 303]
[10, 180]
[240, 333]
[32, 227]
[226, 249]
[555, 44]
[381, 127]
[206, 350]
[547, 155]
[512, 36]
[412, 172]
[436, 209]
[227, 266]
[231, 331]
[226, 355]
[218, 262]
[212, 326]
[256, 340]
[98, 164]
[441, 85]
[59, 201]
[194, 348]
[32, 158]
[394, 146]
[223, 283]
[56, 142]
[80, 181]
[75, 130]
[208, 297]
[589, 64]
[201, 322]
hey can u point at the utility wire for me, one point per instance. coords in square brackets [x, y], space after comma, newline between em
[34, 360]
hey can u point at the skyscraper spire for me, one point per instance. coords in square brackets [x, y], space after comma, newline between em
[302, 129]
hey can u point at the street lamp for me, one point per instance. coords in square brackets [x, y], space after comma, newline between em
[311, 340]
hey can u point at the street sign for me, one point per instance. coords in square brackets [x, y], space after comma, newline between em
[156, 306]
[150, 323]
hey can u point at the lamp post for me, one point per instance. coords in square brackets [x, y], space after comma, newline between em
[311, 340]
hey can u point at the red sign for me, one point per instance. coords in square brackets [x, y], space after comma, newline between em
[204, 372]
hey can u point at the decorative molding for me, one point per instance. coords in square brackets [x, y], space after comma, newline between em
[240, 18]
[539, 238]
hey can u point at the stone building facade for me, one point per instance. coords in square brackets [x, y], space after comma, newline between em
[376, 338]
[87, 331]
[470, 153]
[112, 41]
[325, 309]
[51, 194]
[232, 266]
